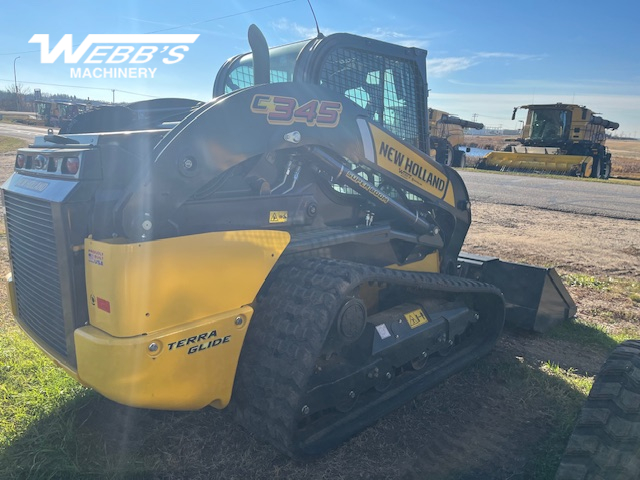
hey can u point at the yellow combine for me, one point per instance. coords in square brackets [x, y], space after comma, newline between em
[446, 133]
[557, 138]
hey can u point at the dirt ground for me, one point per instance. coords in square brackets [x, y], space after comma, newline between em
[602, 247]
[595, 245]
[479, 424]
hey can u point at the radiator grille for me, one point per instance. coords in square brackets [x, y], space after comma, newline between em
[35, 268]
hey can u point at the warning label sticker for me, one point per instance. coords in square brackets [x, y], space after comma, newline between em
[278, 216]
[96, 257]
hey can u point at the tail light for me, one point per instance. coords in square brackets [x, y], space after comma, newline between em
[71, 165]
[21, 161]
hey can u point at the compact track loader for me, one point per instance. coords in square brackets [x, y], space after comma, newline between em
[446, 134]
[287, 249]
[557, 138]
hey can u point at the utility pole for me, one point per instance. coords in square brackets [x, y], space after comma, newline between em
[15, 83]
[113, 96]
[475, 117]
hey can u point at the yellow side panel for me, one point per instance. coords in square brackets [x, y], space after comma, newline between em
[532, 161]
[140, 288]
[408, 164]
[182, 368]
[430, 263]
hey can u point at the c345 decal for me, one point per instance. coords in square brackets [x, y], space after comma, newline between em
[286, 111]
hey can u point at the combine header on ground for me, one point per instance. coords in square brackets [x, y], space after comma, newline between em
[557, 138]
[287, 249]
[446, 134]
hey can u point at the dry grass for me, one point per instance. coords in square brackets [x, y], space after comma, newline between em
[625, 156]
[10, 144]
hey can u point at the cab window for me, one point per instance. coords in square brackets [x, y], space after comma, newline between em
[282, 62]
[384, 86]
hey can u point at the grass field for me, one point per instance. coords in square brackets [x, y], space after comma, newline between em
[22, 118]
[10, 144]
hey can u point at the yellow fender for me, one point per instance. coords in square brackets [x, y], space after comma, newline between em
[161, 335]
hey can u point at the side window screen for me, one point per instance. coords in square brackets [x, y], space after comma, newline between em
[384, 86]
[282, 63]
[241, 77]
[358, 95]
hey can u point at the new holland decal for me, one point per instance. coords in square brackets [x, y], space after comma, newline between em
[281, 110]
[396, 158]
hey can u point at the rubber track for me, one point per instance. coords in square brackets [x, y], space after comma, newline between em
[294, 313]
[605, 443]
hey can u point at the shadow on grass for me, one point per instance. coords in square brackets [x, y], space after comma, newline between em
[501, 418]
[584, 334]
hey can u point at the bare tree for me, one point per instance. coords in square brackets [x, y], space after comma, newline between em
[10, 99]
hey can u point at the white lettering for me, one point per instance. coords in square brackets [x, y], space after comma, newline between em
[66, 45]
[145, 52]
[123, 51]
[97, 53]
[174, 53]
[99, 72]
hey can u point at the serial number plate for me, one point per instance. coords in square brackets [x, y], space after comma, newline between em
[416, 318]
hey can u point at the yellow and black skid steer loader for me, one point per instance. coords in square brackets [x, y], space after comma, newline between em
[287, 249]
[559, 138]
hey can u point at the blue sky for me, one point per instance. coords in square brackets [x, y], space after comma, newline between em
[484, 57]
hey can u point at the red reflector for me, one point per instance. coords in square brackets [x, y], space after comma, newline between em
[104, 305]
[71, 165]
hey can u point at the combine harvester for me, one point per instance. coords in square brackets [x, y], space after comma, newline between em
[557, 138]
[446, 135]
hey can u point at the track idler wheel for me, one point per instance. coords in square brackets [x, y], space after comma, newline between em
[420, 362]
[384, 378]
[351, 320]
